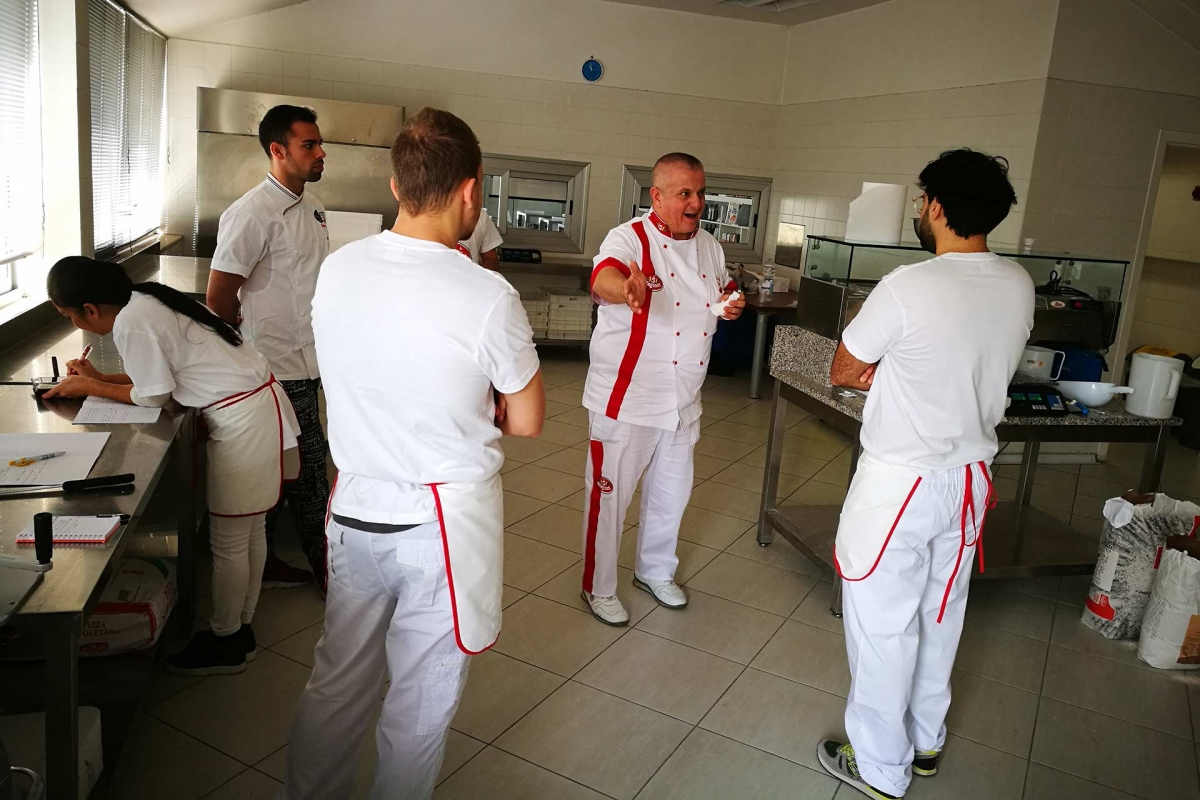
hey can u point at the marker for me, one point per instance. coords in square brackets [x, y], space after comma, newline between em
[25, 461]
[86, 350]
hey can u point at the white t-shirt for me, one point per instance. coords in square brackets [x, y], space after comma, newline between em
[948, 334]
[167, 353]
[485, 237]
[408, 375]
[276, 241]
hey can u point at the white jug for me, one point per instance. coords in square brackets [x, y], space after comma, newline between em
[1038, 362]
[1155, 382]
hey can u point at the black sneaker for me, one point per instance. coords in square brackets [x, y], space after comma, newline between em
[838, 761]
[925, 763]
[209, 654]
[278, 574]
[245, 636]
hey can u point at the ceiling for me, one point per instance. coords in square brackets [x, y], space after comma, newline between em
[778, 12]
[175, 17]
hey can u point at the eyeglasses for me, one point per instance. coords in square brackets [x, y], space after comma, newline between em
[918, 203]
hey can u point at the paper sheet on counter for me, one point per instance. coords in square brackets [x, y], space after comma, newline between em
[82, 450]
[102, 411]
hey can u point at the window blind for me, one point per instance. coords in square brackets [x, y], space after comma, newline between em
[128, 83]
[20, 136]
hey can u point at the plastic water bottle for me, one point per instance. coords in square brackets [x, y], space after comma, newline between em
[766, 286]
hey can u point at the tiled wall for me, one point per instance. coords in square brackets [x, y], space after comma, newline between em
[825, 150]
[1166, 311]
[605, 126]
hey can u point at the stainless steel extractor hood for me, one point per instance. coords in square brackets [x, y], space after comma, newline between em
[230, 161]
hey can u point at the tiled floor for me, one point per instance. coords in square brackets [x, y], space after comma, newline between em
[727, 698]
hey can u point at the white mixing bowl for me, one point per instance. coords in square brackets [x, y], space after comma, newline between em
[1091, 393]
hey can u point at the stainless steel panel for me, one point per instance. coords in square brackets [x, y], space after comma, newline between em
[819, 307]
[789, 249]
[227, 166]
[228, 111]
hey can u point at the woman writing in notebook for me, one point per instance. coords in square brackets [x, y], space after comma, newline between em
[175, 348]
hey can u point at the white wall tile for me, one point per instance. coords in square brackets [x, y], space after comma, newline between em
[295, 65]
[270, 83]
[320, 88]
[270, 62]
[296, 86]
[370, 72]
[245, 59]
[218, 57]
[188, 53]
[320, 67]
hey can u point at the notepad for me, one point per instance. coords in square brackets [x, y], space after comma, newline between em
[77, 530]
[102, 411]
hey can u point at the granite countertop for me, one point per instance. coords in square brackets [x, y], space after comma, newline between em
[801, 359]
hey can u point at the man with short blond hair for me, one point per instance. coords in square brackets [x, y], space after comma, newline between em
[657, 279]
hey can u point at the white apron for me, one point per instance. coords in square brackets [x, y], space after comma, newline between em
[251, 449]
[471, 516]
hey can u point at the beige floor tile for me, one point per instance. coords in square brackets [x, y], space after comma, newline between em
[732, 394]
[517, 507]
[1001, 656]
[250, 785]
[555, 524]
[815, 609]
[1038, 587]
[1071, 633]
[710, 767]
[299, 646]
[727, 429]
[730, 501]
[566, 587]
[796, 464]
[1073, 589]
[510, 596]
[706, 466]
[496, 775]
[1134, 695]
[541, 483]
[577, 416]
[526, 450]
[692, 557]
[568, 461]
[561, 394]
[248, 716]
[779, 553]
[1131, 758]
[553, 409]
[836, 472]
[159, 761]
[750, 477]
[552, 636]
[500, 690]
[616, 747]
[813, 428]
[528, 563]
[968, 771]
[1044, 783]
[816, 493]
[284, 612]
[1015, 612]
[777, 715]
[559, 432]
[710, 529]
[751, 583]
[726, 449]
[459, 750]
[162, 685]
[716, 410]
[812, 656]
[509, 465]
[991, 713]
[660, 674]
[813, 448]
[714, 625]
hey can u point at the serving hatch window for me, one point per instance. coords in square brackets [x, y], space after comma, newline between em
[537, 203]
[733, 209]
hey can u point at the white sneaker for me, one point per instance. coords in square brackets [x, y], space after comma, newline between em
[667, 592]
[607, 609]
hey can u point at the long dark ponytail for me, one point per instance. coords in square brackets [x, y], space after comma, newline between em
[77, 280]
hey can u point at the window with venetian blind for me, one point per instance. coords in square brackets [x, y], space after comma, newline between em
[128, 82]
[20, 138]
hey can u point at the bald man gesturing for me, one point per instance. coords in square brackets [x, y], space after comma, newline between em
[656, 279]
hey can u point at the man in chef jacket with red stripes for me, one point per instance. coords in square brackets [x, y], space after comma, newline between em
[660, 282]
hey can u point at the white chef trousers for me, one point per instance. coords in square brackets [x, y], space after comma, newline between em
[388, 607]
[619, 455]
[900, 656]
[239, 550]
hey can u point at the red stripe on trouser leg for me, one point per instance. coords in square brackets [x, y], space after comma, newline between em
[637, 333]
[596, 450]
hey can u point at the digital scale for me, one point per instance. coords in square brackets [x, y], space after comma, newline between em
[1035, 400]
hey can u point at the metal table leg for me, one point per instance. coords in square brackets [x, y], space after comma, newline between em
[1156, 455]
[760, 347]
[1024, 494]
[771, 467]
[62, 709]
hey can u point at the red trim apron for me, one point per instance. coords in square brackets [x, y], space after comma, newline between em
[471, 517]
[251, 450]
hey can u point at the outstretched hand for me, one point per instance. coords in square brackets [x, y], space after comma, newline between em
[634, 288]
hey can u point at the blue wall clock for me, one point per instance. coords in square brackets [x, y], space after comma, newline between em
[592, 70]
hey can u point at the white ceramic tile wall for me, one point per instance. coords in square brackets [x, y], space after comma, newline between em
[1165, 311]
[825, 150]
[605, 126]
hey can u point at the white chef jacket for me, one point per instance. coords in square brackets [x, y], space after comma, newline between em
[647, 369]
[277, 241]
[948, 334]
[485, 237]
[167, 353]
[408, 381]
